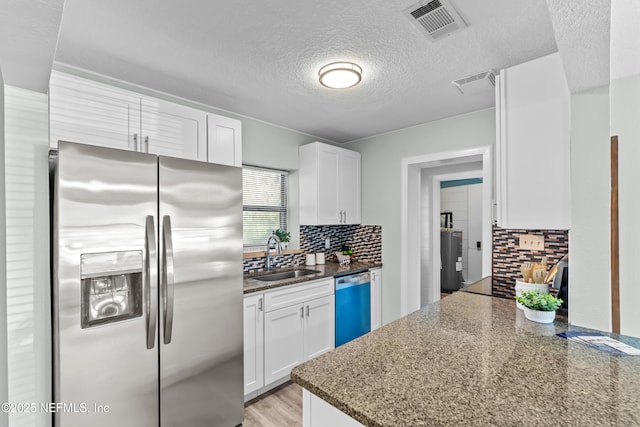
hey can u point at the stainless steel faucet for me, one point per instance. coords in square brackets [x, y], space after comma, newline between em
[268, 266]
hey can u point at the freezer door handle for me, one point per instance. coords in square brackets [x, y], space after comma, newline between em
[167, 277]
[151, 280]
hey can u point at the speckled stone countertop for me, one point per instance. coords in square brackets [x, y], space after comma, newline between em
[330, 269]
[474, 360]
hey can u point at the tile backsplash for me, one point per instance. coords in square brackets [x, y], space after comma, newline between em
[508, 257]
[364, 240]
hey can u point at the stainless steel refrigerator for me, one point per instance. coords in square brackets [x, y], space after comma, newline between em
[147, 290]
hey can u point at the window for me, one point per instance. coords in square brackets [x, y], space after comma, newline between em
[264, 204]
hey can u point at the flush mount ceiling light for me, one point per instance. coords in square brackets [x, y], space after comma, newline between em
[340, 75]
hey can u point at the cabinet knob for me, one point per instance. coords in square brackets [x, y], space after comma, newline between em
[302, 312]
[307, 311]
[135, 142]
[260, 304]
[146, 144]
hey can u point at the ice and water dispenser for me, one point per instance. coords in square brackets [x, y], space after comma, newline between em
[111, 287]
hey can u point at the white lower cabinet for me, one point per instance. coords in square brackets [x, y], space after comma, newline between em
[297, 324]
[284, 341]
[376, 298]
[253, 342]
[319, 330]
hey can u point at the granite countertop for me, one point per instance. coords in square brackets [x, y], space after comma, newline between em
[482, 286]
[330, 269]
[471, 359]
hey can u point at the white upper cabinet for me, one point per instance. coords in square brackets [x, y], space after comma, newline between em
[173, 130]
[224, 140]
[89, 112]
[330, 191]
[532, 148]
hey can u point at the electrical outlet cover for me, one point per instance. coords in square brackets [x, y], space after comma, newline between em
[531, 242]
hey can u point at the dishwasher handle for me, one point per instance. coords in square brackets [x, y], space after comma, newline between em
[353, 280]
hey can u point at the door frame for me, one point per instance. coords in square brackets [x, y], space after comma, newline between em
[410, 221]
[435, 224]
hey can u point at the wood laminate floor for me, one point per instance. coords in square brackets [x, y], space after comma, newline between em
[281, 407]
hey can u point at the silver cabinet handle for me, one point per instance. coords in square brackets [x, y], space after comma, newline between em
[167, 277]
[340, 217]
[151, 280]
[307, 311]
[302, 312]
[135, 142]
[344, 221]
[146, 144]
[260, 304]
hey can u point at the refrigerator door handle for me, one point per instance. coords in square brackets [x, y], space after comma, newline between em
[167, 277]
[151, 280]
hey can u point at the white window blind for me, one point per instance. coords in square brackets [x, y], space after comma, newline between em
[264, 203]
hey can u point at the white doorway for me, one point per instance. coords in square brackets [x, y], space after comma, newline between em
[461, 210]
[420, 243]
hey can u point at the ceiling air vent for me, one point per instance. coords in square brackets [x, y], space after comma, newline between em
[436, 18]
[477, 83]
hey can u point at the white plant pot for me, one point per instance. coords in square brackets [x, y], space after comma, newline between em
[539, 316]
[525, 287]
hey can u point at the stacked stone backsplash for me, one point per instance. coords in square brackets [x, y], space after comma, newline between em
[364, 240]
[508, 257]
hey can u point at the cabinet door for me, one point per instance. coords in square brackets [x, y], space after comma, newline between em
[319, 331]
[88, 112]
[253, 343]
[376, 294]
[173, 130]
[533, 106]
[224, 140]
[349, 186]
[283, 342]
[328, 183]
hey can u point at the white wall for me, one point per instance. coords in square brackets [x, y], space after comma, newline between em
[589, 263]
[625, 115]
[27, 228]
[3, 269]
[474, 255]
[277, 148]
[381, 175]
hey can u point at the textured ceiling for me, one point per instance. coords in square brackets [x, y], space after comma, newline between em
[261, 58]
[28, 35]
[582, 30]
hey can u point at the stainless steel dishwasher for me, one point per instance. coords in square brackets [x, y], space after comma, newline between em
[353, 307]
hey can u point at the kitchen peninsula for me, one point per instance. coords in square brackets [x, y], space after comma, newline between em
[470, 360]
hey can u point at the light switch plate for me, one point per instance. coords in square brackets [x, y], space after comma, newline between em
[531, 242]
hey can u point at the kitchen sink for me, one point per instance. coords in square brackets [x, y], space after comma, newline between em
[272, 277]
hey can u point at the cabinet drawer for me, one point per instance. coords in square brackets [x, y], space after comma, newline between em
[296, 294]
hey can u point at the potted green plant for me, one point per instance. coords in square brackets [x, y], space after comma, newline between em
[284, 236]
[539, 307]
